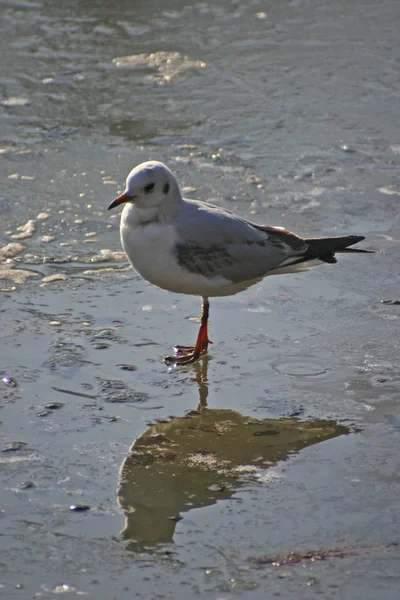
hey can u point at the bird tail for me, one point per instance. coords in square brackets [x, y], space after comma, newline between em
[325, 248]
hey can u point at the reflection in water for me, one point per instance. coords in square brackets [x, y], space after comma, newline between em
[192, 461]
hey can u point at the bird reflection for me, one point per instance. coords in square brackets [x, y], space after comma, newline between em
[201, 378]
[194, 460]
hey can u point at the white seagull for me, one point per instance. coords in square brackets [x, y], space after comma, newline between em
[193, 247]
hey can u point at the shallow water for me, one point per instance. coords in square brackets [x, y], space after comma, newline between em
[286, 113]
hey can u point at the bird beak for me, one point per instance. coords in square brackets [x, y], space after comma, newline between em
[120, 200]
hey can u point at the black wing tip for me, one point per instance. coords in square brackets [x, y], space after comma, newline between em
[326, 248]
[328, 258]
[359, 238]
[355, 239]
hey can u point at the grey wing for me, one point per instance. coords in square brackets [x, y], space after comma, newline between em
[216, 243]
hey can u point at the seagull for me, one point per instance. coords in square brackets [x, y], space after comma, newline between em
[193, 247]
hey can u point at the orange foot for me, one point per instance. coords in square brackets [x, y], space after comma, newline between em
[186, 355]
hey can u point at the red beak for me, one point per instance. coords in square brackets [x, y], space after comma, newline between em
[120, 200]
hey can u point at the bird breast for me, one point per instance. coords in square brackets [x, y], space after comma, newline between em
[143, 243]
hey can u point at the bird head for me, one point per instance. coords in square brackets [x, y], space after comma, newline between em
[149, 185]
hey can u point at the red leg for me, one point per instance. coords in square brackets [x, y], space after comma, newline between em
[185, 355]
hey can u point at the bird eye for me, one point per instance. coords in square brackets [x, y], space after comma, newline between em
[149, 187]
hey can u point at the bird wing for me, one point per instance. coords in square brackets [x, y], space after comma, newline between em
[214, 242]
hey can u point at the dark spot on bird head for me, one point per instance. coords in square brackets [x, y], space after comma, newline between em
[149, 187]
[166, 188]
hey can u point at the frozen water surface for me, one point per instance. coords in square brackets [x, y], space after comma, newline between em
[270, 469]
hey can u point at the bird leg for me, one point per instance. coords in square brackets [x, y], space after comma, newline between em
[185, 355]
